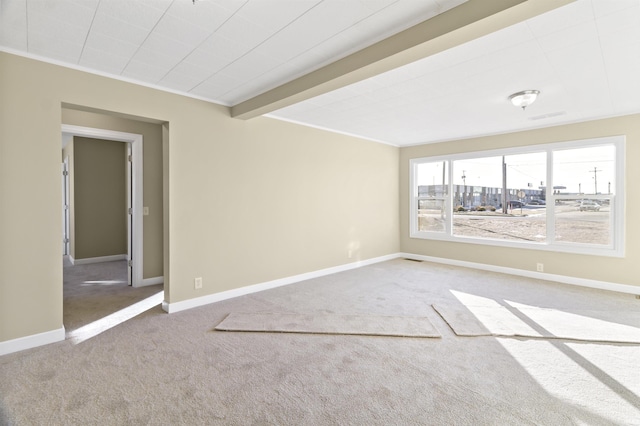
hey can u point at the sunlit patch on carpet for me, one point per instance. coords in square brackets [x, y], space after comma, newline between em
[516, 319]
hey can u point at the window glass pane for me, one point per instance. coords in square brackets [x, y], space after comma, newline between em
[472, 177]
[589, 170]
[433, 181]
[478, 191]
[431, 215]
[583, 221]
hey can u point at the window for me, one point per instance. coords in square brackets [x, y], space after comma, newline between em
[563, 197]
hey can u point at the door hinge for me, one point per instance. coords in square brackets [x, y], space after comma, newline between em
[130, 211]
[129, 158]
[65, 240]
[130, 263]
[66, 173]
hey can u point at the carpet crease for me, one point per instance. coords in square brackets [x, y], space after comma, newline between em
[370, 325]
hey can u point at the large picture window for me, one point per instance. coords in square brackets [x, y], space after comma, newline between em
[564, 196]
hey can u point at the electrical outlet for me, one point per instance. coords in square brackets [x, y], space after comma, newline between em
[540, 267]
[197, 283]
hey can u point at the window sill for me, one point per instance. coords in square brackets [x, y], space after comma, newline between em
[582, 249]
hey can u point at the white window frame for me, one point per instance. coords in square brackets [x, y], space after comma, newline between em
[616, 216]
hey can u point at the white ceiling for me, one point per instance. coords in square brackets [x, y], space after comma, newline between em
[583, 57]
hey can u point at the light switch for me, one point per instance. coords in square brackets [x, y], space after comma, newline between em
[145, 211]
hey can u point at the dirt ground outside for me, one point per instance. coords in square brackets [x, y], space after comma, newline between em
[526, 224]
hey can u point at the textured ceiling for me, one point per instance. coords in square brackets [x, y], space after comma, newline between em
[583, 57]
[221, 50]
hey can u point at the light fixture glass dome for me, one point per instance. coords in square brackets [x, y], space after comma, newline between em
[524, 99]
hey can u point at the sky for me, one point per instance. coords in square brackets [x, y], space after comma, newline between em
[577, 169]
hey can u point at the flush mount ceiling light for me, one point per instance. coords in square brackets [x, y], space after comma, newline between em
[524, 99]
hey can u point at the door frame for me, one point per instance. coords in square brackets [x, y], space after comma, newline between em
[66, 204]
[136, 140]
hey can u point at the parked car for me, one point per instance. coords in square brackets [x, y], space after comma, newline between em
[589, 205]
[537, 202]
[513, 204]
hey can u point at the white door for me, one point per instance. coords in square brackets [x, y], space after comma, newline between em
[65, 207]
[129, 215]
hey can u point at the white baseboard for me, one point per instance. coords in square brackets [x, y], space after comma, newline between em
[151, 281]
[229, 294]
[88, 260]
[58, 335]
[32, 341]
[216, 297]
[583, 282]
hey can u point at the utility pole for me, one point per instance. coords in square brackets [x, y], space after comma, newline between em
[595, 179]
[464, 182]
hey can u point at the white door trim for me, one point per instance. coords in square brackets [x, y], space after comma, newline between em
[65, 206]
[136, 184]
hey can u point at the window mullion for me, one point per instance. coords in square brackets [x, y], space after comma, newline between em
[448, 224]
[413, 200]
[550, 200]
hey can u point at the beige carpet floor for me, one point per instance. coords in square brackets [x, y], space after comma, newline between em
[177, 369]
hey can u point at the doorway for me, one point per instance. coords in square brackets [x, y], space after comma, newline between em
[97, 293]
[135, 209]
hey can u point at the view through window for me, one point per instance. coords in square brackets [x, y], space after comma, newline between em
[560, 196]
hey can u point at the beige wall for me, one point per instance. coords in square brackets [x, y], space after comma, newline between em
[245, 201]
[100, 198]
[616, 270]
[263, 199]
[152, 176]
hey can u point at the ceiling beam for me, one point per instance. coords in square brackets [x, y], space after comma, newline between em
[464, 23]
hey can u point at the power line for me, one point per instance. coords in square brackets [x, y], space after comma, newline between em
[585, 161]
